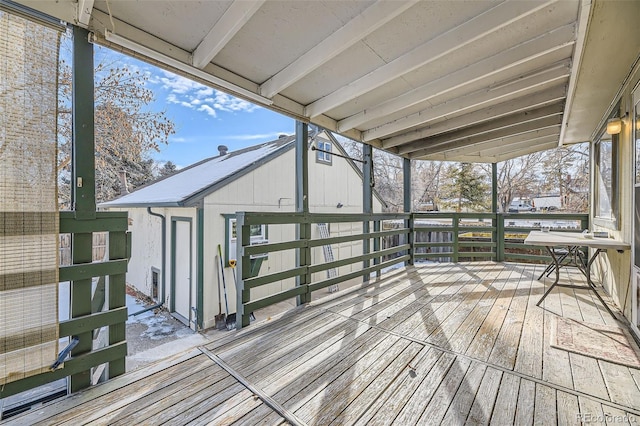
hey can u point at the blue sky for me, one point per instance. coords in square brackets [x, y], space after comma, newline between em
[204, 117]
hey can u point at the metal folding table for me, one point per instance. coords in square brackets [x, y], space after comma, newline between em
[572, 241]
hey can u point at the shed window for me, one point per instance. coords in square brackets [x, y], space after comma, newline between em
[323, 155]
[259, 235]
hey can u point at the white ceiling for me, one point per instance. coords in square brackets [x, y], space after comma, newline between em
[465, 80]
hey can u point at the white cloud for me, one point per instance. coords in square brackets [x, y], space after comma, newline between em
[190, 94]
[207, 91]
[178, 84]
[251, 137]
[206, 108]
[178, 139]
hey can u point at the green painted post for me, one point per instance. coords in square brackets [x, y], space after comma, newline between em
[83, 146]
[456, 226]
[117, 291]
[376, 246]
[406, 201]
[367, 202]
[500, 237]
[303, 229]
[494, 207]
[200, 267]
[83, 192]
[81, 305]
[243, 239]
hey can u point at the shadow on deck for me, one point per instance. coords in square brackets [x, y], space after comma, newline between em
[436, 344]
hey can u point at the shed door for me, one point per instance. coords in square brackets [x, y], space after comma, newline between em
[181, 276]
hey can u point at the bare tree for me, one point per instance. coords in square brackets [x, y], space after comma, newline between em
[426, 183]
[518, 177]
[126, 129]
[566, 170]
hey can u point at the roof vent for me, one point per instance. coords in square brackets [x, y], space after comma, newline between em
[223, 149]
[282, 135]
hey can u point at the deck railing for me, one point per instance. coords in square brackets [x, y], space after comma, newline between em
[93, 307]
[361, 264]
[396, 238]
[476, 236]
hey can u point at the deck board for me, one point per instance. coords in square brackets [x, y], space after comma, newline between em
[442, 343]
[506, 400]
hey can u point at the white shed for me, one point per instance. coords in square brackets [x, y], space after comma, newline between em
[178, 222]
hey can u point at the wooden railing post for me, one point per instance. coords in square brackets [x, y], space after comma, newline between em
[411, 238]
[117, 298]
[499, 237]
[376, 246]
[456, 230]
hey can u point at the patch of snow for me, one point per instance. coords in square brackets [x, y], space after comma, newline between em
[134, 305]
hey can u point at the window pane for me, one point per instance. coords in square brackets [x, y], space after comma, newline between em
[637, 134]
[605, 178]
[256, 230]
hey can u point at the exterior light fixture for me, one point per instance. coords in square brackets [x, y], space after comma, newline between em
[614, 126]
[181, 66]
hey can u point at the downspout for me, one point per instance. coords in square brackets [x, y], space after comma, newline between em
[164, 263]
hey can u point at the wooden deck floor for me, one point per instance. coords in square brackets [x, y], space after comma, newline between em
[439, 344]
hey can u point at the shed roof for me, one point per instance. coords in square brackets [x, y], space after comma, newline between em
[189, 185]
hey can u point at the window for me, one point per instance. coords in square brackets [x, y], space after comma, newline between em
[606, 180]
[155, 274]
[257, 232]
[259, 235]
[323, 155]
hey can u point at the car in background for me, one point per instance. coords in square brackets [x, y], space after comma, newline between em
[520, 206]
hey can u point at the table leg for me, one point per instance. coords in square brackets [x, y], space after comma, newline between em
[557, 265]
[592, 285]
[552, 266]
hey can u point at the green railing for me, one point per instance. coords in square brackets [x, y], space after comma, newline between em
[367, 262]
[476, 236]
[87, 313]
[450, 237]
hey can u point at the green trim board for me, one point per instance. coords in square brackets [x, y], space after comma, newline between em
[200, 268]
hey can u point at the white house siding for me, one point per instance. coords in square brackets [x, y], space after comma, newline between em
[613, 269]
[146, 250]
[268, 188]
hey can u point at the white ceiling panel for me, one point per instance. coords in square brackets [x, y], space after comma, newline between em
[432, 79]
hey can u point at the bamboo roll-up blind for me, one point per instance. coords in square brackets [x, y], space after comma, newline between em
[28, 198]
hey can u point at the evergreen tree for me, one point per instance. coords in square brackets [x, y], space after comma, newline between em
[466, 186]
[167, 169]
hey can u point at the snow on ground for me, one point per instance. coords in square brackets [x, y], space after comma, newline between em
[154, 334]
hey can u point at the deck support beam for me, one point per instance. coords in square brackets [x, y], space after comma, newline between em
[498, 221]
[83, 188]
[406, 202]
[367, 201]
[303, 230]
